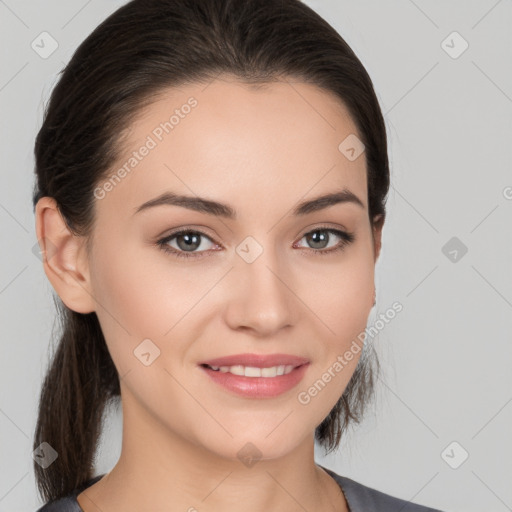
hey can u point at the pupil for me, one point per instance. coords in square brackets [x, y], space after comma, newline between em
[191, 241]
[318, 239]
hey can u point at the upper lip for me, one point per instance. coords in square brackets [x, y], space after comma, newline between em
[257, 360]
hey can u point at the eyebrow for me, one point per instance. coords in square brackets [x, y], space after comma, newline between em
[210, 207]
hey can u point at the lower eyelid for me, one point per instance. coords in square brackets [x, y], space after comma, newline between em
[163, 243]
[345, 239]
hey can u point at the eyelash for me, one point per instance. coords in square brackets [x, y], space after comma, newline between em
[346, 239]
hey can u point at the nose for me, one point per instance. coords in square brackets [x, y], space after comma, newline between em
[262, 299]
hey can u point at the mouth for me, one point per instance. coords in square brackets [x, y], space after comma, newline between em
[254, 371]
[256, 382]
[256, 361]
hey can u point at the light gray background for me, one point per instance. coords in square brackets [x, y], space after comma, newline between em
[446, 356]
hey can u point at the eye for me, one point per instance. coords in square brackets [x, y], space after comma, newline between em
[320, 236]
[187, 241]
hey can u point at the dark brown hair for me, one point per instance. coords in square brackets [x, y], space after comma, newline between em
[143, 48]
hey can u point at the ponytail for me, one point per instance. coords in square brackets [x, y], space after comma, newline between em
[79, 383]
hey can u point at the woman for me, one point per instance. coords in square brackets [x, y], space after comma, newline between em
[210, 198]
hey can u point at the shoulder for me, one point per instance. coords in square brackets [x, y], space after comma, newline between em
[361, 498]
[67, 504]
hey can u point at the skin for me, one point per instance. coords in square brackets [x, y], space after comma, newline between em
[261, 150]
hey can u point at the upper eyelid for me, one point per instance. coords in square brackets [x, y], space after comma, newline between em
[346, 237]
[179, 231]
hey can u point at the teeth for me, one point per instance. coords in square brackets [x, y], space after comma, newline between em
[250, 371]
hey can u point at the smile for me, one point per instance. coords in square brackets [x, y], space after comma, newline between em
[251, 371]
[254, 382]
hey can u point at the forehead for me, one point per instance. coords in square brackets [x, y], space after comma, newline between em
[254, 144]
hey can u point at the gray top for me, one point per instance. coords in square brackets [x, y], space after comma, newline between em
[360, 498]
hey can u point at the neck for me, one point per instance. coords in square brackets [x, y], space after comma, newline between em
[158, 467]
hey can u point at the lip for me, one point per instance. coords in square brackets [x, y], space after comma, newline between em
[256, 387]
[257, 361]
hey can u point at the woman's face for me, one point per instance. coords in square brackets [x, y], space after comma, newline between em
[262, 275]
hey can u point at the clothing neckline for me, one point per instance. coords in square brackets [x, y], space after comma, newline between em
[340, 480]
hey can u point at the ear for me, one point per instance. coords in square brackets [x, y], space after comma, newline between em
[378, 223]
[64, 257]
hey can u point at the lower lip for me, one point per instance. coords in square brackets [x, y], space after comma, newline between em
[257, 387]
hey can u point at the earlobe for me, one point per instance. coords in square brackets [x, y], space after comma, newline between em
[64, 257]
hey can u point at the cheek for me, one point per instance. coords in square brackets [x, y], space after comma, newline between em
[340, 292]
[341, 299]
[135, 299]
[141, 295]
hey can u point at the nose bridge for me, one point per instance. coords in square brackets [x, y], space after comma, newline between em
[261, 299]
